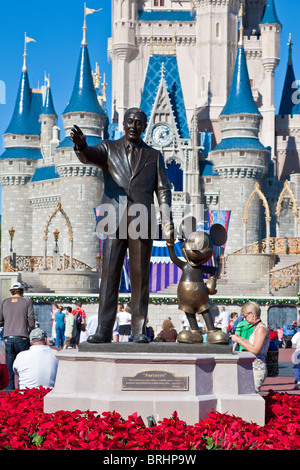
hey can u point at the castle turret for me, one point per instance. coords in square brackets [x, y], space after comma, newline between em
[240, 159]
[122, 48]
[270, 28]
[216, 39]
[81, 184]
[18, 163]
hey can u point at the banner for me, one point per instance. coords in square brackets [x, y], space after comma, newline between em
[219, 217]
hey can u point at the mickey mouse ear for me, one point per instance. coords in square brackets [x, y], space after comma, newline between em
[218, 234]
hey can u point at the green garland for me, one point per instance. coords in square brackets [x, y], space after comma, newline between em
[171, 300]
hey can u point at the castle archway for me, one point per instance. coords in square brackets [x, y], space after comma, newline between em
[50, 218]
[287, 190]
[257, 192]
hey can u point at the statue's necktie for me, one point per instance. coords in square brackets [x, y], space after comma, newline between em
[131, 157]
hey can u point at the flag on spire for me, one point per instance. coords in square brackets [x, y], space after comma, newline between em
[89, 11]
[27, 39]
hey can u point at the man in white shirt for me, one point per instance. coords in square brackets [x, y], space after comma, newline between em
[37, 366]
[223, 320]
[295, 339]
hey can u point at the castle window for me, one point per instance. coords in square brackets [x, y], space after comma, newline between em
[28, 163]
[159, 3]
[81, 116]
[217, 30]
[242, 154]
[10, 162]
[13, 137]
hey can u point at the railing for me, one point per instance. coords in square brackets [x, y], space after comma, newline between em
[37, 263]
[283, 245]
[284, 277]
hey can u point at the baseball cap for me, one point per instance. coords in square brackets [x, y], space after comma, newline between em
[16, 285]
[37, 335]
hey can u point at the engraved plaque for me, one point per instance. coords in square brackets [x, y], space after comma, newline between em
[155, 380]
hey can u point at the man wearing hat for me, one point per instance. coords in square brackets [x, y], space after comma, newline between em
[17, 318]
[37, 366]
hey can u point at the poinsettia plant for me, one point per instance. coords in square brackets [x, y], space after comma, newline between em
[24, 426]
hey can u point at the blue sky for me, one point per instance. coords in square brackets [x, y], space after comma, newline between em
[57, 28]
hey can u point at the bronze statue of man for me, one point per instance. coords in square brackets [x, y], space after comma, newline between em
[134, 182]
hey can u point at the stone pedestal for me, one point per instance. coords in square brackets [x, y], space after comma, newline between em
[156, 379]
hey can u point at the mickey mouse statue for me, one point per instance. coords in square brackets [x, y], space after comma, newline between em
[192, 292]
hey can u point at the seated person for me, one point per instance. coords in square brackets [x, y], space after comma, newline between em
[38, 365]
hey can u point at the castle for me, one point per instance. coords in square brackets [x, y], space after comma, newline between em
[203, 71]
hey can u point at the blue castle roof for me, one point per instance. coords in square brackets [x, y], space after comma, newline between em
[48, 107]
[25, 118]
[240, 100]
[44, 173]
[173, 83]
[22, 152]
[270, 15]
[240, 143]
[206, 168]
[288, 105]
[84, 96]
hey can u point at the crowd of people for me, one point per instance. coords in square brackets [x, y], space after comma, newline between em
[68, 326]
[28, 357]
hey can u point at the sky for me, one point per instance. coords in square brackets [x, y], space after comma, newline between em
[56, 26]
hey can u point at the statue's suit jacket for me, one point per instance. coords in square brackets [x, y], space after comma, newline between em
[138, 186]
[149, 176]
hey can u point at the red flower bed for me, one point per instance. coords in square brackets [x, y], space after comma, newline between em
[24, 426]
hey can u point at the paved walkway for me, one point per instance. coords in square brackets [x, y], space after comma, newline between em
[284, 382]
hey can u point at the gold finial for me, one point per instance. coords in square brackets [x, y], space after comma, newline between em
[47, 80]
[104, 88]
[83, 42]
[241, 26]
[290, 49]
[26, 40]
[87, 11]
[97, 76]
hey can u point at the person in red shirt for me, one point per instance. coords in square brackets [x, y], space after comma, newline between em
[80, 321]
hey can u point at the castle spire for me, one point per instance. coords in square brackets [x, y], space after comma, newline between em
[84, 97]
[270, 15]
[288, 106]
[23, 120]
[240, 98]
[48, 107]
